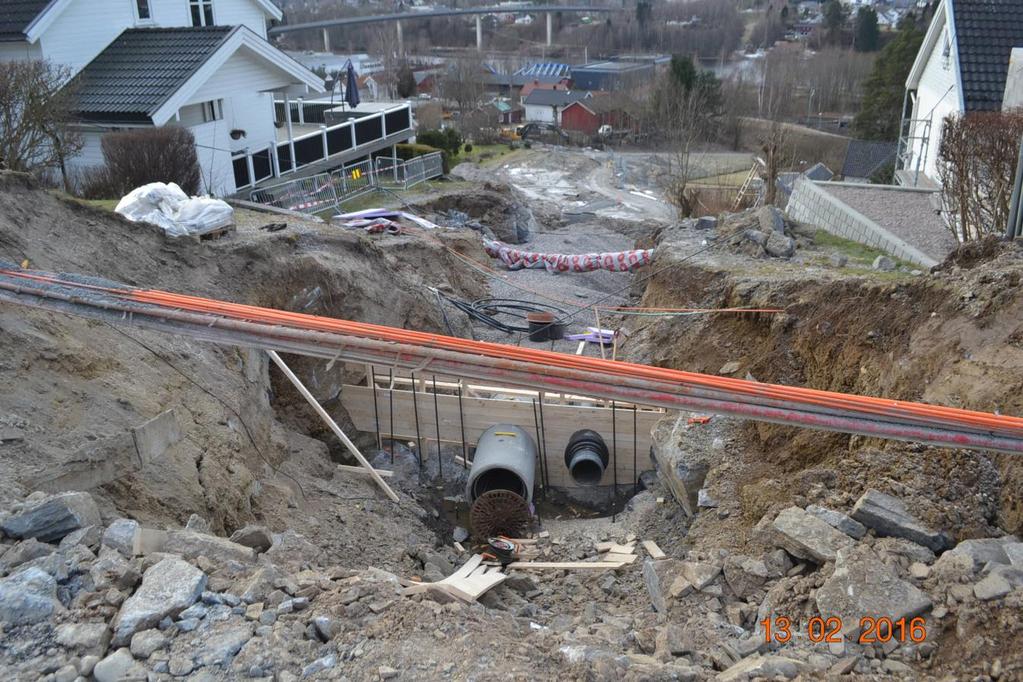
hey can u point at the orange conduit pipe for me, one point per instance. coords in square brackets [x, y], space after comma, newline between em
[640, 383]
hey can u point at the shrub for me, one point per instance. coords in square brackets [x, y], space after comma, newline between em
[449, 139]
[410, 151]
[138, 157]
[468, 148]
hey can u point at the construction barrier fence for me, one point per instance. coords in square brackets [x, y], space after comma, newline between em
[326, 191]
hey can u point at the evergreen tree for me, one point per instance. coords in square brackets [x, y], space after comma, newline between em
[885, 89]
[406, 81]
[867, 37]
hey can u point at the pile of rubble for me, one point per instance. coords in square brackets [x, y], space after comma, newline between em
[759, 233]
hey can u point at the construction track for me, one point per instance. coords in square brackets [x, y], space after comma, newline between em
[235, 324]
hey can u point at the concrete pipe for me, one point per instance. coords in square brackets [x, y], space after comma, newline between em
[586, 457]
[505, 460]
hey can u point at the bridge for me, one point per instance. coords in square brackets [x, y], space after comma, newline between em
[398, 18]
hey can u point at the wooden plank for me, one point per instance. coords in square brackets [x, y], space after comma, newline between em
[614, 547]
[349, 469]
[653, 550]
[620, 558]
[331, 423]
[566, 565]
[561, 422]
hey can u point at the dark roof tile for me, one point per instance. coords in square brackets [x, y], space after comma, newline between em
[16, 15]
[986, 32]
[863, 158]
[141, 69]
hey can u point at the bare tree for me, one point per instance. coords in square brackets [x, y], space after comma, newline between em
[463, 83]
[977, 164]
[36, 116]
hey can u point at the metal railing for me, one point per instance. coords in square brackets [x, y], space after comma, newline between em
[325, 191]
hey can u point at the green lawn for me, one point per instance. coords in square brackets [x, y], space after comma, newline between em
[483, 153]
[859, 254]
[105, 204]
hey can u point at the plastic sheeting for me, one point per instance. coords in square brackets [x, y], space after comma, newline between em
[616, 261]
[168, 207]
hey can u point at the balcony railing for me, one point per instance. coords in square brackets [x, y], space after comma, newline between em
[254, 166]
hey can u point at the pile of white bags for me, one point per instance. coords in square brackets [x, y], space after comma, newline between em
[166, 206]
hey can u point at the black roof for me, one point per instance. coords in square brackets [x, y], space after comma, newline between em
[863, 158]
[986, 30]
[16, 15]
[555, 98]
[141, 69]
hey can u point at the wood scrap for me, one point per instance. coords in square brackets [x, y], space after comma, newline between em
[349, 469]
[615, 548]
[566, 565]
[653, 550]
[460, 548]
[620, 558]
[468, 583]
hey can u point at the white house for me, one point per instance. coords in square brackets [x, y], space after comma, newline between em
[203, 64]
[961, 67]
[545, 106]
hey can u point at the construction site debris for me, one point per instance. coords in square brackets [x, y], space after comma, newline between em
[888, 515]
[170, 209]
[618, 261]
[50, 518]
[808, 537]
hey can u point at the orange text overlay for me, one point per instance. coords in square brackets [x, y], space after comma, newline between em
[829, 630]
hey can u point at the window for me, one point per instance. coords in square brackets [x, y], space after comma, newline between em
[213, 110]
[202, 12]
[142, 8]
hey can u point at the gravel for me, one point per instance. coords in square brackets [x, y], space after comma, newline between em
[908, 215]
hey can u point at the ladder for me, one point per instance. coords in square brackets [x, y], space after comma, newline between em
[747, 189]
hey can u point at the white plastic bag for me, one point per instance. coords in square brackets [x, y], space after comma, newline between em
[168, 207]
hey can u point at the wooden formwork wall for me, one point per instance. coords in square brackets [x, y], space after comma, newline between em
[631, 426]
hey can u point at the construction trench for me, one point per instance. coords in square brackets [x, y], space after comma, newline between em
[833, 432]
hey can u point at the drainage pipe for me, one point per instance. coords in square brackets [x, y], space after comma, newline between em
[505, 459]
[586, 457]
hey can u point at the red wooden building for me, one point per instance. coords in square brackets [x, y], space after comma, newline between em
[586, 116]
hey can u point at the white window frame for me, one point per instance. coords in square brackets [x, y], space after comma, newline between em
[202, 6]
[212, 110]
[149, 10]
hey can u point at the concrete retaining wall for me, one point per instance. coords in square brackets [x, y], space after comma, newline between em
[810, 203]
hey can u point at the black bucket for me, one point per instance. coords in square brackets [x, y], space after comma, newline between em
[543, 327]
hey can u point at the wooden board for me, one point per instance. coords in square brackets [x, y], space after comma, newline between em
[619, 558]
[479, 414]
[349, 469]
[566, 565]
[468, 583]
[653, 550]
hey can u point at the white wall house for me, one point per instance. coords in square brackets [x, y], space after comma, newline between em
[961, 67]
[203, 64]
[545, 106]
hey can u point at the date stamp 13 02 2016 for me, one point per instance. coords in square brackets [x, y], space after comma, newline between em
[829, 630]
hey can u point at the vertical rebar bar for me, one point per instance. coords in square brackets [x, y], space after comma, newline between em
[543, 436]
[614, 462]
[390, 419]
[376, 411]
[539, 454]
[461, 427]
[436, 425]
[635, 447]
[419, 439]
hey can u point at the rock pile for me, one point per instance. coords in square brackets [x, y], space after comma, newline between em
[760, 233]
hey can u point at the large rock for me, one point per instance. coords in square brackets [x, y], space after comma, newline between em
[119, 667]
[220, 647]
[258, 538]
[761, 667]
[23, 552]
[168, 588]
[804, 535]
[191, 545]
[120, 535]
[771, 220]
[888, 515]
[53, 517]
[862, 586]
[293, 550]
[683, 469]
[658, 577]
[86, 638]
[745, 575]
[842, 522]
[780, 246]
[28, 596]
[986, 550]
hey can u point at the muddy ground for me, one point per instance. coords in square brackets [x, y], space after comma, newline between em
[252, 453]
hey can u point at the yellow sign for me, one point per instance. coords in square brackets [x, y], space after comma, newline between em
[356, 174]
